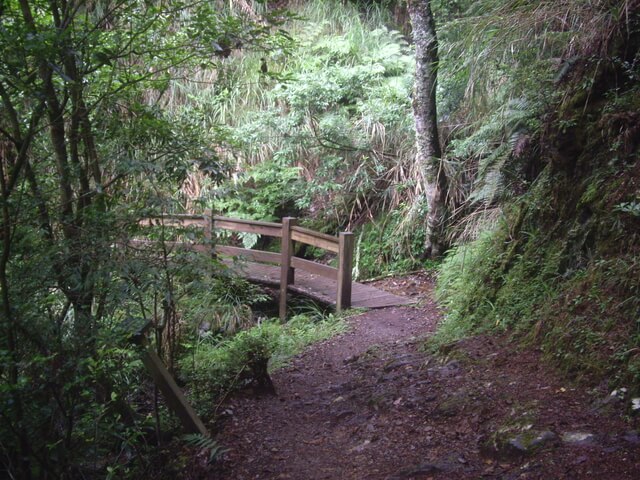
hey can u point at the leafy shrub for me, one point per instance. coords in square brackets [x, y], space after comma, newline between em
[466, 288]
[220, 305]
[335, 115]
[390, 245]
[215, 368]
[304, 329]
[266, 192]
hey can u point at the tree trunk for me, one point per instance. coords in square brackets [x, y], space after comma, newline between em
[426, 122]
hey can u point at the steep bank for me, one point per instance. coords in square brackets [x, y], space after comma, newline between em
[561, 269]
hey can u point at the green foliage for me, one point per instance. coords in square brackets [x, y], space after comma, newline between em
[554, 278]
[215, 368]
[554, 257]
[466, 288]
[499, 73]
[390, 245]
[87, 146]
[202, 442]
[335, 112]
[632, 208]
[267, 192]
[305, 329]
[221, 304]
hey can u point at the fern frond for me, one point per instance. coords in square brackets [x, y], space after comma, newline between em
[203, 442]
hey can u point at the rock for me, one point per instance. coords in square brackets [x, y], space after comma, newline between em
[451, 369]
[394, 365]
[360, 448]
[578, 438]
[418, 470]
[505, 447]
[528, 441]
[344, 414]
[581, 459]
[612, 401]
[448, 408]
[351, 359]
[632, 437]
[619, 393]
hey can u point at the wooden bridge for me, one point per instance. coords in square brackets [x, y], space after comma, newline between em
[331, 285]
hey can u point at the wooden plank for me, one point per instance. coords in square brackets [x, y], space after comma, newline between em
[171, 222]
[345, 261]
[286, 272]
[315, 239]
[319, 281]
[195, 247]
[319, 288]
[369, 294]
[246, 221]
[182, 216]
[315, 268]
[248, 226]
[177, 216]
[251, 255]
[174, 397]
[234, 224]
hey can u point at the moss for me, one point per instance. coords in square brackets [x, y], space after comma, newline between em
[591, 193]
[563, 280]
[561, 272]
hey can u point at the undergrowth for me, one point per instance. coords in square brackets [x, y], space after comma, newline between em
[560, 273]
[557, 267]
[216, 367]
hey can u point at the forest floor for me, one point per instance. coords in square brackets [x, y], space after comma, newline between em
[373, 404]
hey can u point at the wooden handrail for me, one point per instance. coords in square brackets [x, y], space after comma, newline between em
[315, 239]
[289, 232]
[248, 226]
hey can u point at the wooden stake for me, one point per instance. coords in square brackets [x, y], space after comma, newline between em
[174, 397]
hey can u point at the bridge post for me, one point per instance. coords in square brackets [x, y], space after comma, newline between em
[208, 231]
[345, 265]
[286, 271]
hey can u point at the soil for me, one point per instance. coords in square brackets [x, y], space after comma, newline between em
[374, 404]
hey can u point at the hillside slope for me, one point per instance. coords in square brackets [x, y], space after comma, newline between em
[562, 267]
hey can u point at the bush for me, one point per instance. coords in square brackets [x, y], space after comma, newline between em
[466, 288]
[215, 368]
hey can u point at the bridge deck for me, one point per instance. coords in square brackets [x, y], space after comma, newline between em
[319, 288]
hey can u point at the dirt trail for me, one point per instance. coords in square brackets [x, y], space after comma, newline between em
[370, 404]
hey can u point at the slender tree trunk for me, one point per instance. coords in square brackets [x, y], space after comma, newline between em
[425, 114]
[8, 328]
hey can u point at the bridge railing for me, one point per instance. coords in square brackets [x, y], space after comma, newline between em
[289, 232]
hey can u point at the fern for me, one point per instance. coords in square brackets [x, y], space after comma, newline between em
[204, 442]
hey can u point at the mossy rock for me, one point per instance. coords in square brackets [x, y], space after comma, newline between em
[509, 444]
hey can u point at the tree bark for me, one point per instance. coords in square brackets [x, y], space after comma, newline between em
[428, 154]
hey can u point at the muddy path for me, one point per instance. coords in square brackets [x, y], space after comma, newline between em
[372, 404]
